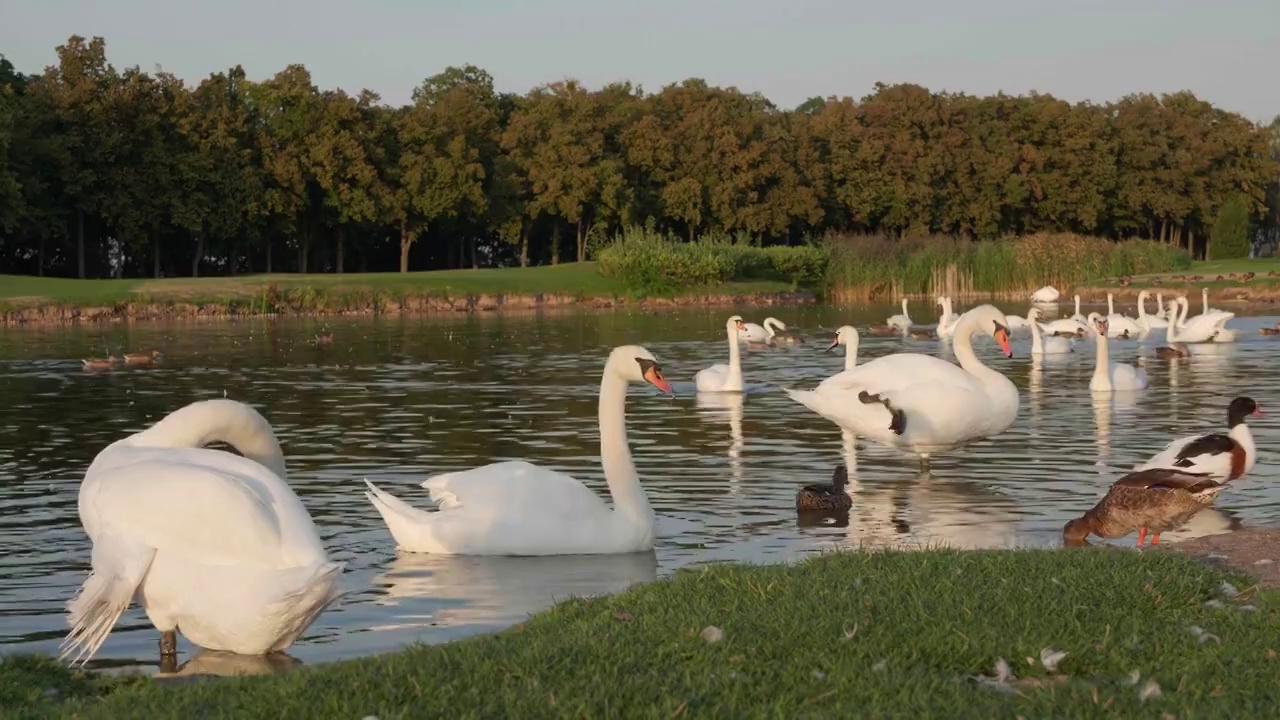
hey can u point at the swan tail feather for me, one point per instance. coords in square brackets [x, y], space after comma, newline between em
[317, 593]
[403, 520]
[103, 597]
[897, 418]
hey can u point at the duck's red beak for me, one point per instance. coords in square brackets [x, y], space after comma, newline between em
[1257, 411]
[654, 377]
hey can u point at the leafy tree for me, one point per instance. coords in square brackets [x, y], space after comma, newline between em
[1230, 236]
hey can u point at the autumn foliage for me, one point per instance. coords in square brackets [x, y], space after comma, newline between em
[107, 171]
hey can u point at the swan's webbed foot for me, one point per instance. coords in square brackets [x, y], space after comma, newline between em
[898, 419]
[168, 643]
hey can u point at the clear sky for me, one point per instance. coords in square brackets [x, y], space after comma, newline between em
[1226, 51]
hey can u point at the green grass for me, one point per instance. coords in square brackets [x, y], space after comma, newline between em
[330, 290]
[888, 634]
[1209, 272]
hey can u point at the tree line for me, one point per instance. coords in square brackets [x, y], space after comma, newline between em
[122, 172]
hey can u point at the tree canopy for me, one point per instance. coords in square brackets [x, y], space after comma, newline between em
[107, 171]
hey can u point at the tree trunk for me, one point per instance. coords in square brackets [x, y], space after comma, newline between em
[80, 242]
[40, 260]
[195, 261]
[155, 256]
[338, 265]
[582, 243]
[233, 259]
[406, 241]
[524, 245]
[555, 244]
[475, 263]
[268, 255]
[304, 245]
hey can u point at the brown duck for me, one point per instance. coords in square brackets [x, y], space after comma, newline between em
[1154, 501]
[141, 358]
[826, 496]
[99, 363]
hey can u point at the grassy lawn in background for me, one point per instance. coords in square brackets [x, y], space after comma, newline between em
[852, 634]
[576, 279]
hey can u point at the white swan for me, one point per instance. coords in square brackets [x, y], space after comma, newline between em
[778, 331]
[1223, 334]
[1064, 326]
[922, 403]
[1120, 325]
[1200, 328]
[1109, 376]
[948, 319]
[1047, 346]
[1204, 302]
[516, 508]
[1016, 322]
[206, 541]
[755, 333]
[1160, 312]
[1077, 316]
[901, 322]
[1148, 322]
[847, 336]
[1046, 294]
[724, 378]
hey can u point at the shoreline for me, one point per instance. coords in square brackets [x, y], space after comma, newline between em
[336, 300]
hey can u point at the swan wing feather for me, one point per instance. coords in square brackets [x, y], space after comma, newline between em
[518, 485]
[223, 514]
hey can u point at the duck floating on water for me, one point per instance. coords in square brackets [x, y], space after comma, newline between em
[1221, 457]
[826, 496]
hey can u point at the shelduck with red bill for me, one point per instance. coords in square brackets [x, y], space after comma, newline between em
[1218, 456]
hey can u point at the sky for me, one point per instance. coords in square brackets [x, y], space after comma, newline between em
[1097, 50]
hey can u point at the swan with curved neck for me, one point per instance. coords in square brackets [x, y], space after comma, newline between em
[1173, 348]
[517, 508]
[1109, 376]
[1052, 345]
[213, 543]
[1148, 322]
[948, 319]
[847, 336]
[921, 403]
[1201, 328]
[721, 377]
[901, 322]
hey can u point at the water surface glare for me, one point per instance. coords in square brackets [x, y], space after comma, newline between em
[398, 399]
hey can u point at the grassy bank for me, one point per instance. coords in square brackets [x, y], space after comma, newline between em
[850, 634]
[352, 292]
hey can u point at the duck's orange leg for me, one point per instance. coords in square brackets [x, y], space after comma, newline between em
[1142, 536]
[1155, 538]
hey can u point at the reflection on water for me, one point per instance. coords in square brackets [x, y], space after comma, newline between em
[399, 399]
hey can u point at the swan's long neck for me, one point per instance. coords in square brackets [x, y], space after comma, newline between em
[629, 499]
[905, 314]
[1142, 306]
[1037, 345]
[962, 346]
[1171, 328]
[851, 353]
[1077, 304]
[1102, 371]
[1160, 305]
[1111, 307]
[210, 421]
[1204, 301]
[768, 326]
[1183, 308]
[735, 361]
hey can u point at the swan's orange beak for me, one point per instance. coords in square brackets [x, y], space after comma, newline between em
[833, 344]
[654, 377]
[742, 325]
[1002, 337]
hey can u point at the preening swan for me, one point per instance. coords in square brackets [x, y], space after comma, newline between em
[1109, 376]
[1051, 345]
[921, 403]
[1200, 328]
[1120, 326]
[516, 508]
[724, 378]
[901, 322]
[209, 543]
[1220, 456]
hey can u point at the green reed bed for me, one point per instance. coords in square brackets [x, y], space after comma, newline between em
[869, 266]
[853, 634]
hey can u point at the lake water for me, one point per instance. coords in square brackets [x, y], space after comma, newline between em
[398, 399]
